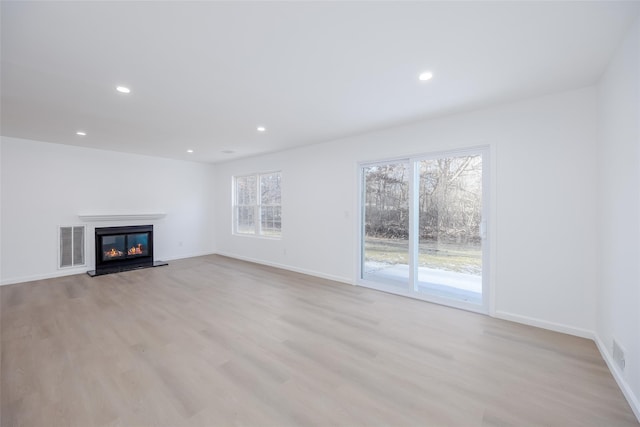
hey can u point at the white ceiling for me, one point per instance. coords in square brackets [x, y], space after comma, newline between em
[204, 75]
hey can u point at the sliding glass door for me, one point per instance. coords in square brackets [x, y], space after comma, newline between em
[423, 227]
[385, 246]
[450, 219]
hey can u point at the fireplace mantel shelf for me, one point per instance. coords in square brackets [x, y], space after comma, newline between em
[121, 217]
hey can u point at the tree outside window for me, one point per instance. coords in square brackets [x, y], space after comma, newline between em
[257, 204]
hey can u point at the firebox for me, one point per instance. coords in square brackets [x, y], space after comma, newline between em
[123, 248]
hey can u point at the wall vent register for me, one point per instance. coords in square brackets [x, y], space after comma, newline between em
[71, 252]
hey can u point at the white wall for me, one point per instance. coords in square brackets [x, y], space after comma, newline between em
[619, 212]
[46, 185]
[544, 256]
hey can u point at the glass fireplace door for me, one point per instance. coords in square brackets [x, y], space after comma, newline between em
[137, 244]
[113, 247]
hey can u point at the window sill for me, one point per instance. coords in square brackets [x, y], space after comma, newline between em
[257, 236]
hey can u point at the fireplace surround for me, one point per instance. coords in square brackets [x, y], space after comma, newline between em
[123, 248]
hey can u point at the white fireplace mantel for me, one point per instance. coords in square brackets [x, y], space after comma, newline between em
[121, 217]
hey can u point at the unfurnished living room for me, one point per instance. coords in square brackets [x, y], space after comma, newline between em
[320, 213]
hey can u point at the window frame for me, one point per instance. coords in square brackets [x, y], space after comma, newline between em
[486, 151]
[256, 207]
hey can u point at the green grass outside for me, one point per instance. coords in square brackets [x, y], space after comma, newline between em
[443, 256]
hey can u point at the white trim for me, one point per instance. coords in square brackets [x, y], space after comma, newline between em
[360, 224]
[488, 242]
[257, 211]
[462, 151]
[84, 242]
[71, 271]
[628, 393]
[488, 180]
[257, 236]
[414, 221]
[121, 217]
[406, 292]
[192, 255]
[492, 228]
[288, 267]
[544, 324]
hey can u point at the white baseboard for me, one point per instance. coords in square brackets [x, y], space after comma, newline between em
[59, 273]
[583, 333]
[193, 255]
[628, 393]
[82, 270]
[288, 267]
[539, 323]
[631, 397]
[526, 320]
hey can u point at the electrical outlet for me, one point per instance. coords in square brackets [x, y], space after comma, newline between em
[618, 355]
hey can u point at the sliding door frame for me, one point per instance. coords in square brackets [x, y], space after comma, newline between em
[411, 289]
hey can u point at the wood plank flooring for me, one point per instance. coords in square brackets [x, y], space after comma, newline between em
[212, 341]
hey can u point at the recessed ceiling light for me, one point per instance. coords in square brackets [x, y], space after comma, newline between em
[189, 151]
[262, 129]
[427, 75]
[81, 133]
[123, 89]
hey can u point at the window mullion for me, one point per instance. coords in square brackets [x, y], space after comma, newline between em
[413, 225]
[253, 199]
[257, 210]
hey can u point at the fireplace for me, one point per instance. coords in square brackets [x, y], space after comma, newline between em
[123, 248]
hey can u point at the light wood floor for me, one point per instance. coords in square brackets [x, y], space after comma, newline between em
[212, 341]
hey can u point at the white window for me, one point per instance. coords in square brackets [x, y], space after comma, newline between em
[257, 204]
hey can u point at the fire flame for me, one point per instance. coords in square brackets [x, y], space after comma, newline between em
[112, 253]
[135, 250]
